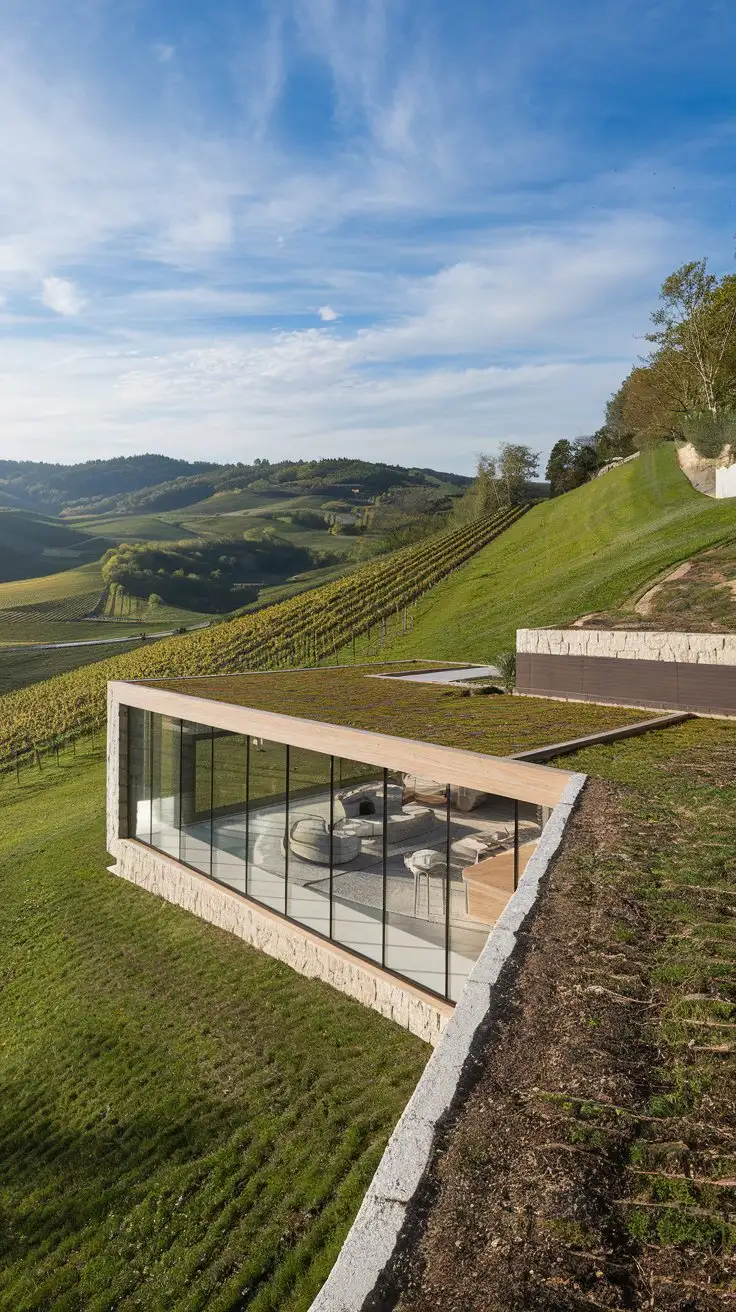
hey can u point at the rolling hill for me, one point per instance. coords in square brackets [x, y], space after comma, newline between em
[32, 545]
[585, 551]
[467, 591]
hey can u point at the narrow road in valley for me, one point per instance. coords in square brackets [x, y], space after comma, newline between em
[98, 642]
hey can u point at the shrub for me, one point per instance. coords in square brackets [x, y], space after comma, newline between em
[710, 433]
[505, 663]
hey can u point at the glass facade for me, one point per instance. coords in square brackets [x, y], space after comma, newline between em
[407, 872]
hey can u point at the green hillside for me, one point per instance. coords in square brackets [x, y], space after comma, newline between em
[32, 545]
[182, 1118]
[582, 552]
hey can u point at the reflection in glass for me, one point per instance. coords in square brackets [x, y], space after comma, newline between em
[310, 839]
[196, 795]
[165, 741]
[139, 774]
[229, 814]
[267, 821]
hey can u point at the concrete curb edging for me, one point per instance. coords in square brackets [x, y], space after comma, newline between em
[372, 1238]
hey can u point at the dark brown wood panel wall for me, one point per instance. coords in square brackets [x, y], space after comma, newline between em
[666, 684]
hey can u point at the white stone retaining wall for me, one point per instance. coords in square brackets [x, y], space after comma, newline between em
[630, 644]
[306, 953]
[375, 1231]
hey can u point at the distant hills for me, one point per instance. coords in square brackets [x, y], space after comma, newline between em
[128, 484]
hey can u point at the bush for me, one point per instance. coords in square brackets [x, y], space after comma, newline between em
[710, 433]
[505, 663]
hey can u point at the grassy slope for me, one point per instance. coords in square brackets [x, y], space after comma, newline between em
[582, 552]
[83, 581]
[184, 1122]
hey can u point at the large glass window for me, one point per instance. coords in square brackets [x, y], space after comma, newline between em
[357, 878]
[406, 871]
[268, 817]
[139, 774]
[230, 808]
[416, 883]
[165, 784]
[311, 839]
[197, 743]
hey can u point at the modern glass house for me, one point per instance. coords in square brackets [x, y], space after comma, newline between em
[377, 862]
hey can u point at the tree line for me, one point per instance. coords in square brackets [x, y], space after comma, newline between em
[683, 389]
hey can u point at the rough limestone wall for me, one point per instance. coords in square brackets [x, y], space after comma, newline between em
[701, 470]
[272, 934]
[687, 648]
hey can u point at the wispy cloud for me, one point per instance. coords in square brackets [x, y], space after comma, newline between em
[431, 182]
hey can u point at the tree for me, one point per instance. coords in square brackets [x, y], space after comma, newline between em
[585, 462]
[649, 406]
[693, 329]
[517, 465]
[559, 467]
[499, 481]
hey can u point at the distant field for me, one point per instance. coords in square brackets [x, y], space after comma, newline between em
[20, 668]
[185, 1123]
[73, 585]
[227, 502]
[300, 583]
[132, 528]
[52, 609]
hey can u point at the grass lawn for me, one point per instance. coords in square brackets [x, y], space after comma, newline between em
[582, 552]
[593, 1164]
[184, 1122]
[497, 724]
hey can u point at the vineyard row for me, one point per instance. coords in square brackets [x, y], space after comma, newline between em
[301, 631]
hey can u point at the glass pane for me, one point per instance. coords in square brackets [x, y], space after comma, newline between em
[196, 795]
[482, 871]
[166, 736]
[357, 842]
[267, 820]
[416, 880]
[139, 774]
[229, 813]
[308, 896]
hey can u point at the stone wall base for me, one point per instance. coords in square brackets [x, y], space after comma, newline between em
[307, 953]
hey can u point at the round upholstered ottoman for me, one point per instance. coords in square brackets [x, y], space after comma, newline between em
[309, 838]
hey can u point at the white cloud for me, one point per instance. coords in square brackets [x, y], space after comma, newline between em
[61, 295]
[498, 277]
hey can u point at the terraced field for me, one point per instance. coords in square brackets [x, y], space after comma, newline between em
[184, 1122]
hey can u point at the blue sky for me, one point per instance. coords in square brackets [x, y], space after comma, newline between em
[407, 230]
